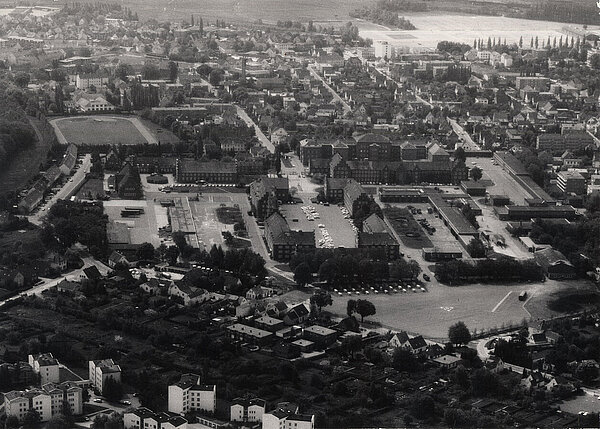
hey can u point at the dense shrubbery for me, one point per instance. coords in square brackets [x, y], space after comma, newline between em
[385, 12]
[74, 222]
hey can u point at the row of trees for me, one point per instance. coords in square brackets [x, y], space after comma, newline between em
[488, 271]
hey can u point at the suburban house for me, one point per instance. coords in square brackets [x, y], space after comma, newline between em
[190, 295]
[117, 258]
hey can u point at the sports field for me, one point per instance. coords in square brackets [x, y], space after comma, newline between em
[100, 130]
[431, 313]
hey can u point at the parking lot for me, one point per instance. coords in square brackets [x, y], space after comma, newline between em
[334, 225]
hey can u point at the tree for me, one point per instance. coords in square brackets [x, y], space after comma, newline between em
[321, 299]
[521, 42]
[404, 360]
[350, 307]
[173, 71]
[112, 389]
[460, 155]
[145, 252]
[352, 344]
[595, 61]
[459, 333]
[31, 419]
[476, 173]
[303, 274]
[476, 248]
[58, 422]
[12, 422]
[365, 308]
[22, 79]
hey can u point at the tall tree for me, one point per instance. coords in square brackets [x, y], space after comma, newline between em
[365, 308]
[303, 274]
[521, 42]
[459, 333]
[321, 299]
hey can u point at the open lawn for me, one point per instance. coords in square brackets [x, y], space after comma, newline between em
[99, 130]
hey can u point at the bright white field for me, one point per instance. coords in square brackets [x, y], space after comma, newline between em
[433, 28]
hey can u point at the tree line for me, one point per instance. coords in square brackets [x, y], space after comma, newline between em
[488, 271]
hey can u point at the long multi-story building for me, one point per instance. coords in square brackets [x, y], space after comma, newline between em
[48, 401]
[558, 143]
[193, 171]
[282, 242]
[189, 395]
[85, 81]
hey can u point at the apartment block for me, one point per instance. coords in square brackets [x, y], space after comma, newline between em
[46, 366]
[48, 401]
[102, 370]
[189, 395]
[247, 410]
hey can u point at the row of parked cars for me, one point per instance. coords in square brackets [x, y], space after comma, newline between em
[383, 288]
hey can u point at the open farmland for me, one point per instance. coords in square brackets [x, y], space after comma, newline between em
[101, 130]
[244, 10]
[435, 27]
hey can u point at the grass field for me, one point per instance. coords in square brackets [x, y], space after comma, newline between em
[99, 131]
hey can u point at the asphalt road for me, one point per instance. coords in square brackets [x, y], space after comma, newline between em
[467, 142]
[50, 283]
[259, 134]
[335, 95]
[66, 191]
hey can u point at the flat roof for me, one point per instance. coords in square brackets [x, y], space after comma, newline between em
[319, 330]
[249, 330]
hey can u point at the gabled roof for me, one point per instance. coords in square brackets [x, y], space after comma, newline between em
[417, 342]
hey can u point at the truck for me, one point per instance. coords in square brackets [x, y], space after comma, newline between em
[523, 296]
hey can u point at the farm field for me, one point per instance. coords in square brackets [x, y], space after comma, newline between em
[244, 10]
[101, 130]
[435, 27]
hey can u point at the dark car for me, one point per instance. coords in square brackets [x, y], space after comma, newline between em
[426, 277]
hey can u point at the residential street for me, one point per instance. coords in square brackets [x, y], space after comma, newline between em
[66, 191]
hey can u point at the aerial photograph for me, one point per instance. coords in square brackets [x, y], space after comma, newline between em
[299, 214]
